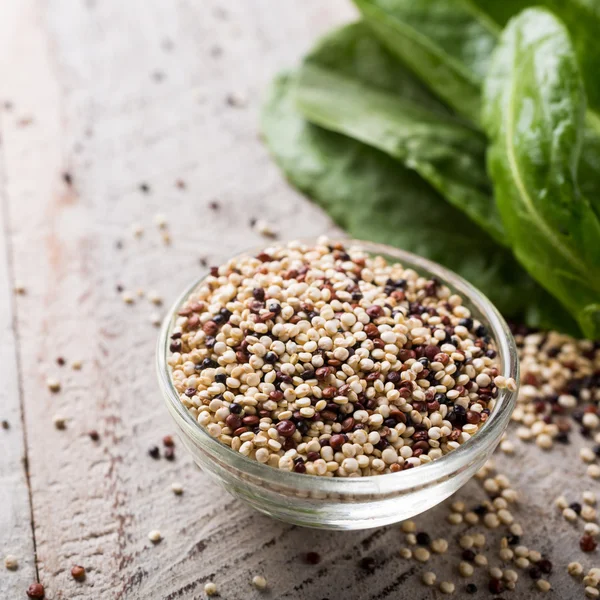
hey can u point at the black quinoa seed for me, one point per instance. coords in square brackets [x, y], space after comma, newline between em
[154, 452]
[575, 506]
[545, 566]
[423, 538]
[468, 555]
[535, 573]
[367, 563]
[496, 586]
[313, 558]
[170, 453]
[514, 540]
[144, 188]
[220, 378]
[471, 588]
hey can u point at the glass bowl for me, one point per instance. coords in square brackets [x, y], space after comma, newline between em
[356, 502]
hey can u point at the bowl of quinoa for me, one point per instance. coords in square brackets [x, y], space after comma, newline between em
[338, 384]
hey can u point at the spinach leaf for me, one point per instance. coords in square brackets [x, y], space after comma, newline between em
[350, 84]
[534, 112]
[375, 198]
[582, 19]
[447, 44]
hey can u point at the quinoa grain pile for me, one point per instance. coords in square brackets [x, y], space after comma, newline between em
[324, 360]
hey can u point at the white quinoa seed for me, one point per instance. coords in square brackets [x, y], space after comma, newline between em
[128, 297]
[421, 554]
[593, 471]
[574, 569]
[592, 592]
[447, 587]
[589, 497]
[210, 589]
[76, 365]
[155, 536]
[20, 288]
[59, 421]
[259, 582]
[465, 569]
[406, 553]
[11, 562]
[428, 578]
[53, 384]
[177, 488]
[543, 585]
[294, 324]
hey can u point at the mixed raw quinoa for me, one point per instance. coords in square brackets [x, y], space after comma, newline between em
[324, 360]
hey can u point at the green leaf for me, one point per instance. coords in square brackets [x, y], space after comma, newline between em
[582, 19]
[534, 112]
[375, 198]
[350, 84]
[447, 44]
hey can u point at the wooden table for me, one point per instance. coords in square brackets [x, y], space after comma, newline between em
[99, 99]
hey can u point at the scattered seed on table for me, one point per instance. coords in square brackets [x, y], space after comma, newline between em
[592, 592]
[480, 560]
[405, 553]
[20, 288]
[465, 569]
[155, 319]
[590, 580]
[60, 361]
[588, 513]
[155, 536]
[128, 297]
[423, 538]
[587, 543]
[59, 421]
[421, 554]
[76, 365]
[428, 578]
[589, 497]
[210, 589]
[594, 471]
[543, 585]
[154, 452]
[36, 590]
[569, 514]
[144, 188]
[160, 220]
[155, 297]
[177, 488]
[94, 435]
[137, 230]
[170, 453]
[168, 441]
[447, 587]
[180, 184]
[11, 562]
[259, 582]
[53, 384]
[471, 588]
[78, 572]
[439, 546]
[312, 558]
[5, 424]
[591, 529]
[367, 563]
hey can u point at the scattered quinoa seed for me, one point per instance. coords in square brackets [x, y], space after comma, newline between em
[447, 587]
[11, 562]
[177, 488]
[155, 536]
[210, 589]
[76, 365]
[53, 384]
[36, 590]
[259, 582]
[428, 578]
[59, 421]
[78, 572]
[94, 435]
[20, 288]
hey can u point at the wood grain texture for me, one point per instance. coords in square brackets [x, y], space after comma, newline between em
[119, 94]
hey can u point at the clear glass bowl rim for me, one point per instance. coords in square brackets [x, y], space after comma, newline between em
[403, 481]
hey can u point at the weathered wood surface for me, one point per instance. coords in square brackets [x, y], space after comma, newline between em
[119, 94]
